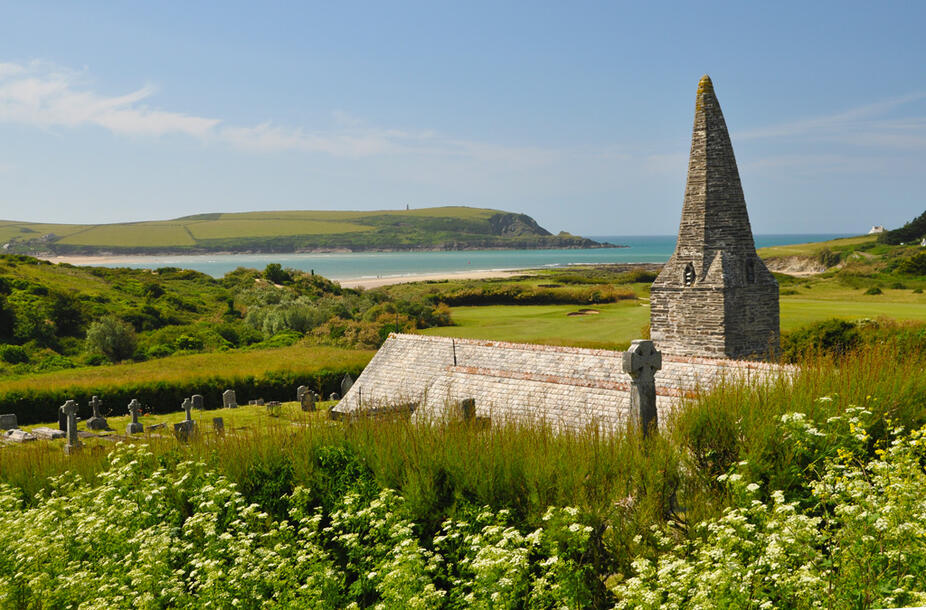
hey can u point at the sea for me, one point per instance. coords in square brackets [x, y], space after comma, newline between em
[369, 265]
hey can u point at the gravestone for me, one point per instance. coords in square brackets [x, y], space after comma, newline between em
[198, 402]
[346, 384]
[159, 426]
[97, 421]
[62, 421]
[334, 396]
[47, 434]
[187, 408]
[73, 444]
[18, 436]
[300, 392]
[184, 430]
[229, 400]
[218, 424]
[307, 401]
[318, 397]
[8, 421]
[641, 362]
[134, 427]
[468, 409]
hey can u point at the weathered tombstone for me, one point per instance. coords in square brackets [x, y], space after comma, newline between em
[641, 362]
[334, 396]
[259, 402]
[274, 407]
[47, 434]
[8, 421]
[188, 407]
[184, 430]
[218, 424]
[97, 421]
[229, 400]
[134, 427]
[468, 409]
[18, 436]
[346, 384]
[159, 426]
[73, 444]
[307, 401]
[62, 421]
[300, 392]
[198, 402]
[318, 397]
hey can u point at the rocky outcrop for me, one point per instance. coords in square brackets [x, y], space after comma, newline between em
[515, 225]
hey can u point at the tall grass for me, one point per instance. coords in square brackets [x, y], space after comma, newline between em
[621, 484]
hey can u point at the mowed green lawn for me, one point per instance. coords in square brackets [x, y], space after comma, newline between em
[614, 327]
[619, 323]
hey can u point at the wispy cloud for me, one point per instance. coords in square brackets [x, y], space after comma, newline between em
[48, 96]
[864, 126]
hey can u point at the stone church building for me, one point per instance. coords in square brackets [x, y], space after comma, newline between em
[713, 305]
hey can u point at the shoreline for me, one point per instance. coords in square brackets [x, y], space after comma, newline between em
[378, 282]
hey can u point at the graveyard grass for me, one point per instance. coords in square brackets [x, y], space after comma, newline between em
[826, 469]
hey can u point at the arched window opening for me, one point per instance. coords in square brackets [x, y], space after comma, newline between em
[689, 276]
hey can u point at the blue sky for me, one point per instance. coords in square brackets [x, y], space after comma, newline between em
[578, 113]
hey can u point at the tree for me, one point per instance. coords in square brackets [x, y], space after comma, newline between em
[111, 337]
[276, 274]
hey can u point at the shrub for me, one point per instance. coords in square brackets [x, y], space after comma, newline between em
[828, 258]
[13, 354]
[873, 290]
[915, 265]
[275, 273]
[111, 337]
[832, 336]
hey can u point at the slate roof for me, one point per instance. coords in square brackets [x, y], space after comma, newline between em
[566, 387]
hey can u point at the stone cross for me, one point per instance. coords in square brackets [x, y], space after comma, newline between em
[134, 426]
[69, 408]
[641, 362]
[95, 404]
[97, 421]
[188, 406]
[198, 402]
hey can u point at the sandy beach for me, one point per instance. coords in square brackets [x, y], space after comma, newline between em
[425, 277]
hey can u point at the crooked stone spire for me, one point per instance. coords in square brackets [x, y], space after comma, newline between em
[715, 296]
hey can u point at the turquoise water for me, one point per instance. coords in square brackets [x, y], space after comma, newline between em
[360, 265]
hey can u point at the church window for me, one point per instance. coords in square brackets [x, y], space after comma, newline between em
[689, 276]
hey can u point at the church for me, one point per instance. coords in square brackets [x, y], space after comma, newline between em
[713, 313]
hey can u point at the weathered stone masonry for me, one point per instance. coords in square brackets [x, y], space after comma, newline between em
[715, 297]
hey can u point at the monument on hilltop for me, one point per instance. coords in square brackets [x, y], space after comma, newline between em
[715, 297]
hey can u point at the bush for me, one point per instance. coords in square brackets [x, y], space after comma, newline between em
[873, 290]
[111, 337]
[915, 265]
[275, 273]
[828, 258]
[13, 354]
[834, 336]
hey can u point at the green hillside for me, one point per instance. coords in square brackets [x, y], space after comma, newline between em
[451, 227]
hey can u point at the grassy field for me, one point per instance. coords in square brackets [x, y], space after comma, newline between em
[296, 358]
[614, 326]
[619, 323]
[811, 249]
[288, 231]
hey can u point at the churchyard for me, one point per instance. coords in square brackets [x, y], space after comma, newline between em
[696, 469]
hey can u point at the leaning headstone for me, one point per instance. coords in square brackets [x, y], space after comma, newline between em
[198, 402]
[346, 384]
[8, 421]
[218, 424]
[641, 362]
[307, 401]
[18, 436]
[334, 396]
[229, 400]
[97, 422]
[159, 426]
[134, 427]
[184, 430]
[73, 444]
[48, 434]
